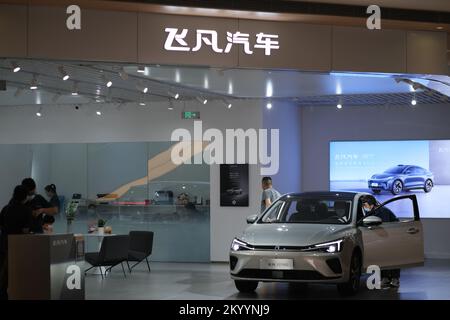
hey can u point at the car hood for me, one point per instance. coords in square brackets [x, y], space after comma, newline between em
[382, 176]
[293, 234]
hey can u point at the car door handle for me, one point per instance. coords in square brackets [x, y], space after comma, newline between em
[412, 230]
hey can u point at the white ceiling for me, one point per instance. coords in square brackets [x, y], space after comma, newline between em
[89, 80]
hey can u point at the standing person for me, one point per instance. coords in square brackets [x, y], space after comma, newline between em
[48, 220]
[389, 278]
[15, 218]
[39, 206]
[269, 194]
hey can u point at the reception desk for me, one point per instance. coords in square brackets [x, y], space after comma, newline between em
[43, 267]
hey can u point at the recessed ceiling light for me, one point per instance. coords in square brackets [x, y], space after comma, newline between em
[413, 102]
[145, 90]
[229, 106]
[269, 105]
[339, 106]
[99, 113]
[109, 83]
[440, 28]
[142, 104]
[38, 114]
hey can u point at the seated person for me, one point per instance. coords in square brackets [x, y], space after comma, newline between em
[390, 278]
[341, 210]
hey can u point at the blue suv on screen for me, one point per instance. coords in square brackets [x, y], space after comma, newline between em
[402, 177]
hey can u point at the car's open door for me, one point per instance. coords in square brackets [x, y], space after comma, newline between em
[395, 244]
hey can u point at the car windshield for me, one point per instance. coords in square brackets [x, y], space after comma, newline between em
[320, 210]
[395, 170]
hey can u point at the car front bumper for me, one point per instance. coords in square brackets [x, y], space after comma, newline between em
[306, 266]
[379, 184]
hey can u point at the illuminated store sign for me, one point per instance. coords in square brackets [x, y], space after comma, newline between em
[176, 41]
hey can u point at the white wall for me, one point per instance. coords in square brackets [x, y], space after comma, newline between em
[18, 158]
[19, 125]
[321, 125]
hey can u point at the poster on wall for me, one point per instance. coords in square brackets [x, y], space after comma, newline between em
[234, 185]
[387, 169]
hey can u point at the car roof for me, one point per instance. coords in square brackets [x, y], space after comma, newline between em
[346, 195]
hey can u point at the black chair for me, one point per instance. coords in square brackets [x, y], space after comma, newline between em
[141, 245]
[113, 251]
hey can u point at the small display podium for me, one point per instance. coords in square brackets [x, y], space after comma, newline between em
[43, 267]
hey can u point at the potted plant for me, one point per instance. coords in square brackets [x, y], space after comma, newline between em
[71, 211]
[101, 226]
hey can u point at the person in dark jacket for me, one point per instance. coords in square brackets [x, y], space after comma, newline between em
[15, 218]
[52, 195]
[39, 206]
[371, 207]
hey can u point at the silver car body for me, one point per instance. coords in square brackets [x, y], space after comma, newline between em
[286, 251]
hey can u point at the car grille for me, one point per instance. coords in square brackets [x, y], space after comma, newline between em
[281, 248]
[283, 274]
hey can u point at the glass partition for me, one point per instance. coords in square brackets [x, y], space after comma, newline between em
[133, 186]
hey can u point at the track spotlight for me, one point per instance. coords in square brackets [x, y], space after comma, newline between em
[123, 74]
[141, 69]
[64, 74]
[202, 100]
[227, 104]
[170, 107]
[175, 95]
[39, 113]
[145, 90]
[15, 67]
[75, 89]
[108, 82]
[33, 83]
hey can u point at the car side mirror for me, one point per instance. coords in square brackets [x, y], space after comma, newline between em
[372, 221]
[251, 219]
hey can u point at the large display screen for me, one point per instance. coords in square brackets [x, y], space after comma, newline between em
[390, 168]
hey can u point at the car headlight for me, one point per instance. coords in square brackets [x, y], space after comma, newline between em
[330, 247]
[238, 245]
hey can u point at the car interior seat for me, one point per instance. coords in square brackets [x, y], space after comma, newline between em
[322, 211]
[304, 212]
[341, 209]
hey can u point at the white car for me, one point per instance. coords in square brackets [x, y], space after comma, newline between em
[324, 237]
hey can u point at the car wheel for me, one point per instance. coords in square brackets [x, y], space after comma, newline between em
[351, 287]
[428, 186]
[397, 187]
[376, 191]
[246, 286]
